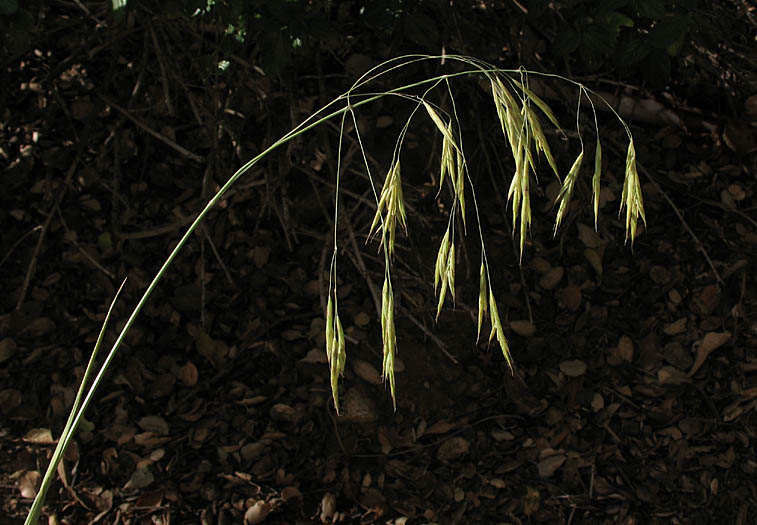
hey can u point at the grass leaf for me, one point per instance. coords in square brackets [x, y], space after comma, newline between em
[595, 181]
[566, 192]
[482, 304]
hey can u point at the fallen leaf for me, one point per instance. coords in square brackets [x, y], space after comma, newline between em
[7, 349]
[531, 501]
[315, 355]
[549, 466]
[260, 256]
[39, 327]
[328, 507]
[10, 399]
[573, 368]
[257, 513]
[711, 342]
[676, 327]
[285, 413]
[140, 478]
[366, 371]
[589, 236]
[384, 121]
[155, 424]
[384, 440]
[440, 427]
[40, 436]
[625, 348]
[292, 496]
[595, 259]
[28, 483]
[188, 374]
[708, 298]
[453, 448]
[252, 451]
[523, 328]
[540, 265]
[670, 375]
[362, 319]
[552, 277]
[570, 297]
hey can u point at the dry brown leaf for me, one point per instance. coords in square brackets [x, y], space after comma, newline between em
[531, 501]
[140, 478]
[676, 327]
[260, 256]
[597, 402]
[595, 259]
[285, 413]
[7, 349]
[548, 466]
[257, 513]
[384, 121]
[155, 424]
[523, 327]
[669, 375]
[613, 357]
[40, 436]
[709, 298]
[315, 355]
[453, 448]
[573, 368]
[39, 327]
[750, 107]
[362, 319]
[29, 483]
[384, 440]
[440, 427]
[590, 237]
[189, 374]
[252, 451]
[328, 507]
[540, 265]
[552, 278]
[10, 399]
[366, 371]
[570, 297]
[625, 348]
[711, 342]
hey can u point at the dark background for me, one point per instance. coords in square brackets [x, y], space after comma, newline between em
[634, 387]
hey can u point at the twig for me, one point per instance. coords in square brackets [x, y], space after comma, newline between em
[357, 259]
[160, 230]
[438, 342]
[149, 130]
[82, 250]
[161, 64]
[89, 13]
[19, 241]
[218, 256]
[45, 227]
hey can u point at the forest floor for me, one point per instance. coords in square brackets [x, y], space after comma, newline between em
[632, 398]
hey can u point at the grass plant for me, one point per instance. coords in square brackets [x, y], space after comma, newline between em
[521, 115]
